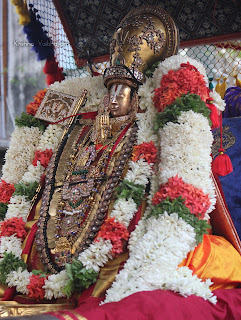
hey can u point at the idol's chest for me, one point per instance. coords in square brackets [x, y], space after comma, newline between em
[80, 185]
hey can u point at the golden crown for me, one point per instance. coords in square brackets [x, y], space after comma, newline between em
[146, 35]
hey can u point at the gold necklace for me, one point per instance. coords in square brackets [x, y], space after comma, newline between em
[68, 222]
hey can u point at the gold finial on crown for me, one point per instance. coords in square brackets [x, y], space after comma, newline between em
[146, 35]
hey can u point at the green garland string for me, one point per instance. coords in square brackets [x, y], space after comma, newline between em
[3, 210]
[79, 277]
[128, 189]
[27, 190]
[26, 120]
[184, 103]
[9, 263]
[177, 206]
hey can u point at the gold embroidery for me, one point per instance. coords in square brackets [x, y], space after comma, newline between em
[228, 140]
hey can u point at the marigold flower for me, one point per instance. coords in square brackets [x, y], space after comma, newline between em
[33, 106]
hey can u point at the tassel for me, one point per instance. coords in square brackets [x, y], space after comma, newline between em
[53, 71]
[222, 164]
[22, 11]
[214, 116]
[210, 84]
[36, 35]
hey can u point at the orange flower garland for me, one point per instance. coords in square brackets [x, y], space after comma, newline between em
[195, 200]
[6, 191]
[116, 232]
[13, 226]
[33, 106]
[146, 151]
[176, 83]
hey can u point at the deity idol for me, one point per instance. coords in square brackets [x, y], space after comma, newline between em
[127, 194]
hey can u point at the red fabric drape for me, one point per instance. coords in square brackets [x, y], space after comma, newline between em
[164, 305]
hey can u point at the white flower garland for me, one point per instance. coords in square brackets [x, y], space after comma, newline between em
[11, 244]
[19, 208]
[20, 153]
[55, 284]
[123, 211]
[155, 257]
[96, 255]
[186, 151]
[19, 279]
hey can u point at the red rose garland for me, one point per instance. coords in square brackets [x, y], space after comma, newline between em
[35, 287]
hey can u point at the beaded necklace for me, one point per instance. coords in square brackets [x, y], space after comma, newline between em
[84, 199]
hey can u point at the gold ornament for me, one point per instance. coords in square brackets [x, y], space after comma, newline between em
[146, 35]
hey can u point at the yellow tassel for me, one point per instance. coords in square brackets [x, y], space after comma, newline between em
[237, 82]
[22, 11]
[223, 87]
[17, 2]
[217, 85]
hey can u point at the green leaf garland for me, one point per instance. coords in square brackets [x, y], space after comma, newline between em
[26, 120]
[3, 210]
[80, 278]
[128, 189]
[186, 102]
[26, 190]
[177, 206]
[10, 263]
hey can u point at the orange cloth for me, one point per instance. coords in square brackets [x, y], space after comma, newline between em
[216, 259]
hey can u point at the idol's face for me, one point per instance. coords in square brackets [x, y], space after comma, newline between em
[120, 100]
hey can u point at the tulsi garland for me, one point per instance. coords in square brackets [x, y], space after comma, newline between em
[26, 190]
[186, 102]
[26, 120]
[3, 210]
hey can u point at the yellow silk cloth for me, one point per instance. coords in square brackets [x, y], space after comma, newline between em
[107, 275]
[216, 259]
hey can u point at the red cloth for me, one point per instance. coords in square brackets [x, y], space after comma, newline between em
[163, 304]
[8, 294]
